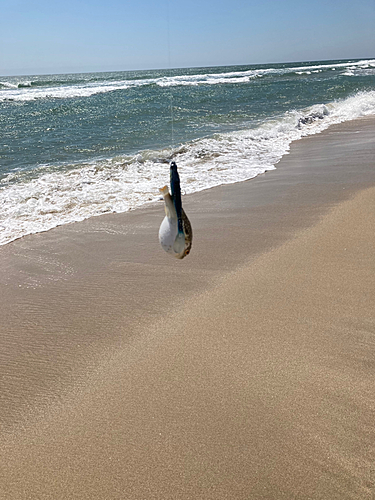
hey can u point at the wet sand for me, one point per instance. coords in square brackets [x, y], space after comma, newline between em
[245, 371]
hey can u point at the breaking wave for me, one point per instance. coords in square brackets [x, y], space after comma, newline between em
[80, 87]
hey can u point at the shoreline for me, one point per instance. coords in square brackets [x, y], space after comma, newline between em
[38, 225]
[119, 347]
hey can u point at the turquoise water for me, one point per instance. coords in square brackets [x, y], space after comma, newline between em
[75, 146]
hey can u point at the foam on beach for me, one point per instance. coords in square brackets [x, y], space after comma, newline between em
[38, 200]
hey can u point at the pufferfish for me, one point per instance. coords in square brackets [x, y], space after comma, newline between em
[175, 233]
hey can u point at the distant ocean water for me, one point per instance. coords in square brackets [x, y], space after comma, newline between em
[79, 145]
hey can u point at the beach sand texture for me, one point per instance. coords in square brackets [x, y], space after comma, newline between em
[245, 371]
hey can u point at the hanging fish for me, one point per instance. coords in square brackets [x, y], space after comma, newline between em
[175, 233]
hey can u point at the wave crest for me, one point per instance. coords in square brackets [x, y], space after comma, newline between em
[81, 87]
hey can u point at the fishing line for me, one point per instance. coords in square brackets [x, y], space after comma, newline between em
[170, 76]
[175, 233]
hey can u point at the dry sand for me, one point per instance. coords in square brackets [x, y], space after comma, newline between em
[245, 371]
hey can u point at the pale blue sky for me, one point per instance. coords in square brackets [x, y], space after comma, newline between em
[45, 36]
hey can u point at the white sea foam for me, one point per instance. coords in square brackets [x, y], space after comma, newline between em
[66, 91]
[119, 184]
[8, 85]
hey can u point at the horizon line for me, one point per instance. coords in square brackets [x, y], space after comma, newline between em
[180, 67]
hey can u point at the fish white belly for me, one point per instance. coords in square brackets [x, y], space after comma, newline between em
[167, 234]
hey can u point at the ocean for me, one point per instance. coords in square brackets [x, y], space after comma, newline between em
[80, 145]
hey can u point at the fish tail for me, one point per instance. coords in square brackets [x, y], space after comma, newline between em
[164, 191]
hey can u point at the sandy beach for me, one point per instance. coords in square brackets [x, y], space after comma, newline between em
[245, 371]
